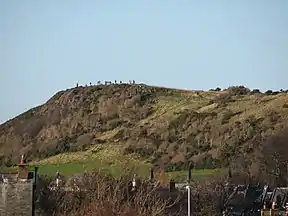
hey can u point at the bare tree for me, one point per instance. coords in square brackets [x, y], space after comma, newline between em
[274, 159]
[102, 195]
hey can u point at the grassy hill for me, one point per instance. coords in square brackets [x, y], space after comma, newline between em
[123, 125]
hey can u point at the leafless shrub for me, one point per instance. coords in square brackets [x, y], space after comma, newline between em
[102, 195]
[106, 196]
[209, 197]
[274, 159]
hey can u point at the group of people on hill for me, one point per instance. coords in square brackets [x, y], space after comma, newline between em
[109, 83]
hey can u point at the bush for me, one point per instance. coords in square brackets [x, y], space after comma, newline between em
[255, 91]
[275, 93]
[225, 116]
[238, 90]
[173, 167]
[143, 152]
[207, 162]
[83, 142]
[217, 89]
[6, 161]
[65, 144]
[223, 99]
[269, 92]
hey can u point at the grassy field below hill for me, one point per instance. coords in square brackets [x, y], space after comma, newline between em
[107, 158]
[69, 169]
[141, 170]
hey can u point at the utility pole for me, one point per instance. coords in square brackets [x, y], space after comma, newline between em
[34, 190]
[188, 188]
[189, 200]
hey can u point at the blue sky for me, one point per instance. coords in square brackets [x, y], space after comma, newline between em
[47, 46]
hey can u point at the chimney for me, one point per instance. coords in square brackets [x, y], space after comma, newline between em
[22, 161]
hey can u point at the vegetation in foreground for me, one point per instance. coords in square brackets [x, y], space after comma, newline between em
[106, 196]
[103, 195]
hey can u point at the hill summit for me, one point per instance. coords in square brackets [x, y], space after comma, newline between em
[168, 127]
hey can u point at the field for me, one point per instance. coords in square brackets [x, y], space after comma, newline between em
[69, 169]
[108, 158]
[143, 171]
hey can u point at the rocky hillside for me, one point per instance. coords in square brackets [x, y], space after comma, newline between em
[168, 126]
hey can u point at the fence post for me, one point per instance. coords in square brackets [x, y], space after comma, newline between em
[151, 174]
[190, 172]
[34, 190]
[171, 185]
